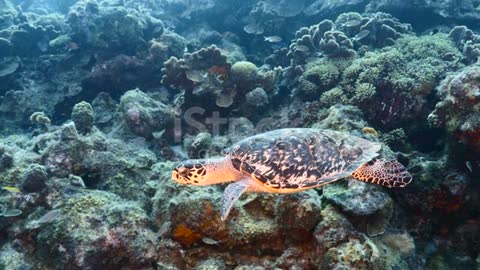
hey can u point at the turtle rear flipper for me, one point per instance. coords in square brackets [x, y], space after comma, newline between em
[383, 172]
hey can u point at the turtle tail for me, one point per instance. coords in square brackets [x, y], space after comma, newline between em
[382, 172]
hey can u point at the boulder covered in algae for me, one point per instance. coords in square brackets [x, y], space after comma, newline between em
[97, 230]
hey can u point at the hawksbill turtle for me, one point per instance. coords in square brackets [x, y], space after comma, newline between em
[291, 160]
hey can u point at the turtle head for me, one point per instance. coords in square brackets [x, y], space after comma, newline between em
[192, 172]
[202, 172]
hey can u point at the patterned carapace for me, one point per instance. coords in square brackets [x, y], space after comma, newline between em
[301, 158]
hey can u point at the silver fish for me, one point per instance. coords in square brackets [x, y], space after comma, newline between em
[255, 29]
[362, 34]
[273, 39]
[352, 23]
[302, 48]
[195, 76]
[11, 213]
[210, 241]
[50, 216]
[164, 228]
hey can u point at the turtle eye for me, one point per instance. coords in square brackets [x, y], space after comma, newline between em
[182, 170]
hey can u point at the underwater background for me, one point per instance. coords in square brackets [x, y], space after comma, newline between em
[100, 99]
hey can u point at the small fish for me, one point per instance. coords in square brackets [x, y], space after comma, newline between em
[164, 228]
[362, 34]
[76, 181]
[254, 29]
[370, 130]
[469, 166]
[352, 23]
[195, 76]
[11, 189]
[72, 46]
[11, 213]
[50, 216]
[273, 39]
[210, 241]
[302, 48]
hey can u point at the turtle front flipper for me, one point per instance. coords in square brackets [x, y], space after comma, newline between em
[383, 172]
[231, 194]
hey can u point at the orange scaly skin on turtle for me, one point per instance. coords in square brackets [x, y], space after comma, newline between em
[291, 160]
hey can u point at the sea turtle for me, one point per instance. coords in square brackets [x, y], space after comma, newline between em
[291, 160]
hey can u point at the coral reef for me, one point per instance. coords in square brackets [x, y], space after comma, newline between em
[83, 116]
[120, 237]
[467, 42]
[458, 109]
[202, 73]
[99, 100]
[349, 31]
[145, 115]
[110, 27]
[318, 77]
[392, 85]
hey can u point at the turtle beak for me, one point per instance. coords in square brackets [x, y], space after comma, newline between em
[180, 175]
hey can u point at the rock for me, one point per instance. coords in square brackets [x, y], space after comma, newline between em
[97, 230]
[34, 179]
[459, 95]
[144, 115]
[6, 161]
[211, 264]
[354, 254]
[13, 259]
[332, 230]
[359, 199]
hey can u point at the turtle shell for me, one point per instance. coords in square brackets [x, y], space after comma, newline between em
[301, 158]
